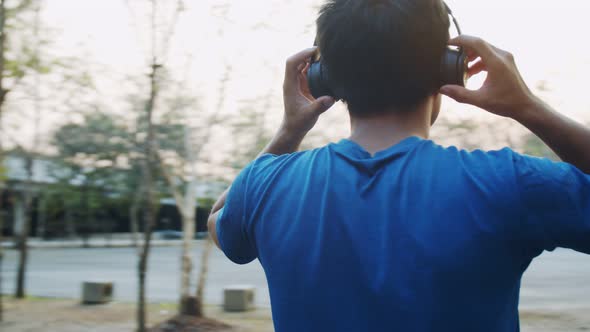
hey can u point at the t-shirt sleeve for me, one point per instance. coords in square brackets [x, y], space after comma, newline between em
[556, 198]
[235, 229]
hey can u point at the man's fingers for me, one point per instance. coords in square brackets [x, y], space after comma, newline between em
[476, 68]
[460, 94]
[472, 56]
[295, 61]
[304, 87]
[321, 105]
[475, 45]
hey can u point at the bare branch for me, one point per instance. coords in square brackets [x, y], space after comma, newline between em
[177, 194]
[154, 33]
[2, 51]
[213, 119]
[133, 21]
[172, 28]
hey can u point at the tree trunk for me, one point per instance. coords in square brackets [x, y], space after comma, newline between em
[150, 213]
[133, 220]
[70, 228]
[143, 265]
[2, 96]
[188, 233]
[1, 249]
[3, 90]
[149, 222]
[188, 305]
[86, 229]
[22, 247]
[202, 279]
[42, 224]
[150, 160]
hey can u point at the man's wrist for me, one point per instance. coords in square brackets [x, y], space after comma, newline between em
[530, 111]
[285, 141]
[290, 134]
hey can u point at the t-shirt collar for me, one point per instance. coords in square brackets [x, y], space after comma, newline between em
[353, 149]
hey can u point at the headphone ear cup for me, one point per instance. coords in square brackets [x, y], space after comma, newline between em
[454, 67]
[317, 82]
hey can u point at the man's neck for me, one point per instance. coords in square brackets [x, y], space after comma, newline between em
[379, 132]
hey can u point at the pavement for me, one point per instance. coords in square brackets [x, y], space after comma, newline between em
[51, 315]
[554, 281]
[69, 316]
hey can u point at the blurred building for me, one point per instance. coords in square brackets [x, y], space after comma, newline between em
[51, 217]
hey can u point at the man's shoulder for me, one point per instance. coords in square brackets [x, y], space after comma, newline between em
[511, 167]
[268, 164]
[508, 159]
[268, 161]
[475, 153]
[474, 158]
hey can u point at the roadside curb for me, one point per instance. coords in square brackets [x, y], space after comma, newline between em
[74, 244]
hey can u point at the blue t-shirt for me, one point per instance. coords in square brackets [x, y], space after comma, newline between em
[415, 238]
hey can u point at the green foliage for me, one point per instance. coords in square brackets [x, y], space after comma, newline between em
[3, 171]
[15, 7]
[14, 69]
[100, 159]
[206, 202]
[250, 137]
[93, 151]
[100, 138]
[87, 208]
[90, 180]
[23, 42]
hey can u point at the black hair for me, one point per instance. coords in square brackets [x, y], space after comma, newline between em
[383, 54]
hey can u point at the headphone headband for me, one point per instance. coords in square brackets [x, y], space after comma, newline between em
[449, 12]
[454, 19]
[453, 68]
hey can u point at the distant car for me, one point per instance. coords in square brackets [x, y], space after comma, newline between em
[177, 235]
[169, 235]
[201, 235]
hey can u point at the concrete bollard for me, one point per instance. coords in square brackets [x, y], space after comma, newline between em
[238, 298]
[97, 292]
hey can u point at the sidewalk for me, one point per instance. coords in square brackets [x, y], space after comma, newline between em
[121, 240]
[39, 314]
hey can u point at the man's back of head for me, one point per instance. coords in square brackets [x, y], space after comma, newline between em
[383, 54]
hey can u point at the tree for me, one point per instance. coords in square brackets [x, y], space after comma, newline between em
[250, 134]
[19, 57]
[99, 160]
[103, 155]
[180, 171]
[159, 50]
[2, 96]
[87, 169]
[106, 150]
[37, 66]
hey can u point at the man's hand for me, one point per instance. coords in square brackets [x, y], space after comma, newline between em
[504, 92]
[301, 109]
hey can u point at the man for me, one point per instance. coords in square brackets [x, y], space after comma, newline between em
[386, 230]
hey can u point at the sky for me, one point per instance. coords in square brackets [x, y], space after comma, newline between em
[248, 42]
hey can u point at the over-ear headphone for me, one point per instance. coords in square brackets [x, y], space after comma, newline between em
[453, 68]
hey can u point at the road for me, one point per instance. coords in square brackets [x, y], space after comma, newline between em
[557, 280]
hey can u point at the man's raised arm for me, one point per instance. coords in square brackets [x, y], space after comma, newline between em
[505, 93]
[300, 116]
